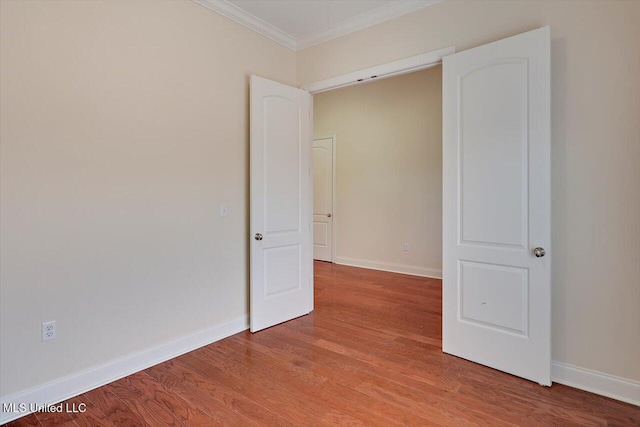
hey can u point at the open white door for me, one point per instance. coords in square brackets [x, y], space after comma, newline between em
[280, 233]
[496, 203]
[323, 199]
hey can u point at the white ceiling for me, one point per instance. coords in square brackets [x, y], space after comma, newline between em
[298, 24]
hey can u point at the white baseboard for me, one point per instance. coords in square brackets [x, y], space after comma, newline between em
[89, 379]
[596, 382]
[393, 268]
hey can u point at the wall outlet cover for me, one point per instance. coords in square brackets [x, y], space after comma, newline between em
[49, 330]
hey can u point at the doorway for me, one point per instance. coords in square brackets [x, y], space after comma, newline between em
[496, 159]
[388, 173]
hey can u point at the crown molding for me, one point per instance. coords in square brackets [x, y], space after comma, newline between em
[359, 22]
[364, 20]
[249, 21]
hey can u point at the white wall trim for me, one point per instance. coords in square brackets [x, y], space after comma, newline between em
[596, 382]
[362, 21]
[80, 382]
[412, 270]
[383, 71]
[250, 21]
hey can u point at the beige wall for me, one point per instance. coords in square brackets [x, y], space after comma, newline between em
[389, 170]
[595, 150]
[124, 126]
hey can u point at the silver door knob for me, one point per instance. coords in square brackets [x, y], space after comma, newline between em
[328, 215]
[539, 252]
[258, 236]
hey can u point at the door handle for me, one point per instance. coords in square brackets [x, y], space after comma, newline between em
[539, 252]
[328, 215]
[258, 236]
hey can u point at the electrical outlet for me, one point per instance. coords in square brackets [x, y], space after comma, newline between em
[223, 210]
[406, 247]
[49, 331]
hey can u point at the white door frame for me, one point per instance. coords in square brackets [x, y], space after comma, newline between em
[383, 71]
[334, 193]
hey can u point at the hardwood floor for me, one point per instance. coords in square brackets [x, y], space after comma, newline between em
[369, 355]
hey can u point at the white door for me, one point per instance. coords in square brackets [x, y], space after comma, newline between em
[323, 199]
[280, 232]
[496, 202]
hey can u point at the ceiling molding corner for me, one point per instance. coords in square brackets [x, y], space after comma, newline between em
[367, 19]
[249, 21]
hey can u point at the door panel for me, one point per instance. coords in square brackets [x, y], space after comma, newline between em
[282, 270]
[281, 276]
[323, 218]
[282, 164]
[496, 201]
[494, 296]
[493, 153]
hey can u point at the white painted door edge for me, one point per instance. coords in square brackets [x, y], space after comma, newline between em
[383, 71]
